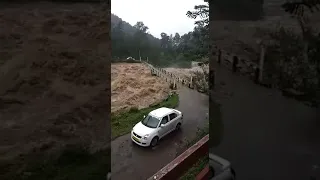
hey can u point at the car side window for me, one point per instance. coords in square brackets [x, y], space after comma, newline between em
[164, 120]
[172, 116]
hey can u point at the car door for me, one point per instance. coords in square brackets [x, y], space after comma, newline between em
[164, 130]
[173, 120]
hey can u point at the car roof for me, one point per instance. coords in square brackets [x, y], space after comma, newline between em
[160, 112]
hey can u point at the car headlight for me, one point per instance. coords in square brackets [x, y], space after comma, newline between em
[146, 136]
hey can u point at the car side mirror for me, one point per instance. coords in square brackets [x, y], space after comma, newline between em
[162, 125]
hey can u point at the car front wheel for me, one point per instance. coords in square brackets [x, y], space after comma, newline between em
[154, 141]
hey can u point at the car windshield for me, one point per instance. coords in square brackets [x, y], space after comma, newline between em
[151, 122]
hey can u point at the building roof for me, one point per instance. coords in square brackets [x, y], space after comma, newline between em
[160, 112]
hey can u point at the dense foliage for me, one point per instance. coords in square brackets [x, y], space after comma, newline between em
[173, 49]
[293, 59]
[299, 7]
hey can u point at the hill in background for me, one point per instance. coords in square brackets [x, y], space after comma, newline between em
[129, 29]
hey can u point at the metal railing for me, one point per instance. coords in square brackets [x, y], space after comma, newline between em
[180, 165]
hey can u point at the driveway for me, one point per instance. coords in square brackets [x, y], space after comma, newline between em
[132, 162]
[266, 136]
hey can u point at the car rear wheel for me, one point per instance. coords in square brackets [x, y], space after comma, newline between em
[233, 173]
[178, 126]
[154, 141]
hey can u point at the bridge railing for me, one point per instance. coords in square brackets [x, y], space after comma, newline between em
[180, 165]
[174, 78]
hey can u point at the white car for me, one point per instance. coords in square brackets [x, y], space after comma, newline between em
[130, 58]
[157, 124]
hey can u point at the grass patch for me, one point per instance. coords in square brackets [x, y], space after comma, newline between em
[72, 163]
[196, 169]
[122, 123]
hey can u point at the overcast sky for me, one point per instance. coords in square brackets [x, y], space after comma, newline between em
[167, 16]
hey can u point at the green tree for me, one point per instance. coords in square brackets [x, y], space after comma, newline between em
[201, 11]
[164, 41]
[310, 40]
[117, 39]
[200, 35]
[141, 27]
[140, 37]
[298, 8]
[176, 40]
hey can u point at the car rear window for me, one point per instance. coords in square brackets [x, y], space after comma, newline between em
[173, 115]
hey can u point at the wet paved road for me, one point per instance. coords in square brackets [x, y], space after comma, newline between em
[136, 163]
[266, 136]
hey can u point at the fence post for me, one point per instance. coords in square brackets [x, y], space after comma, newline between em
[219, 56]
[261, 63]
[234, 63]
